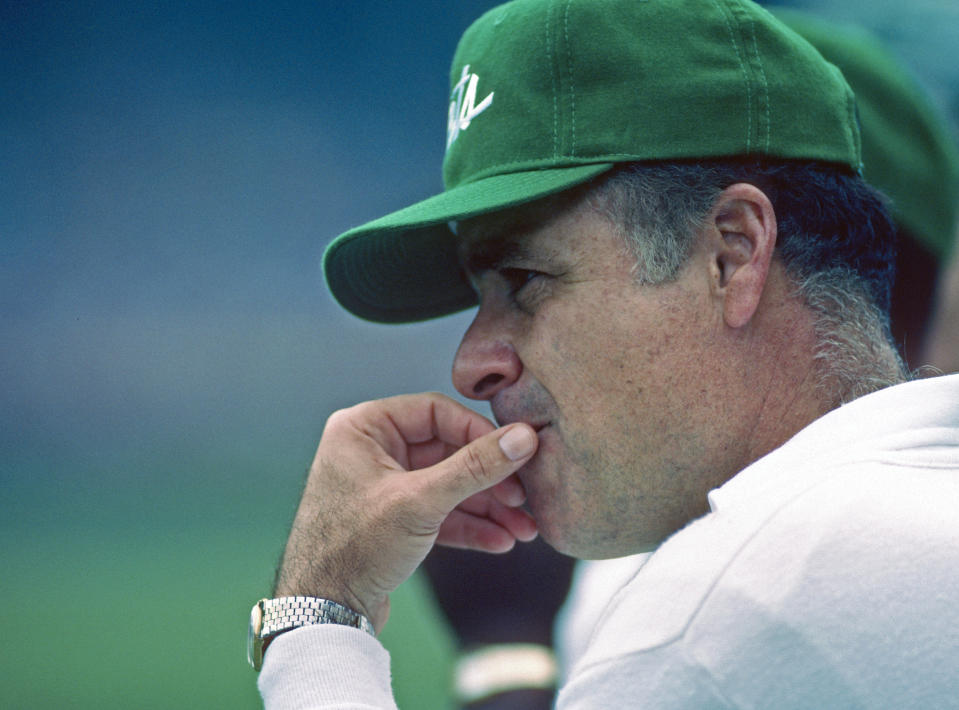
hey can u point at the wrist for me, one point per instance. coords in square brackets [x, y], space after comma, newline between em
[376, 614]
[271, 617]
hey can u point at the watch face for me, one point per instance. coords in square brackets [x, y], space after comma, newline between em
[254, 642]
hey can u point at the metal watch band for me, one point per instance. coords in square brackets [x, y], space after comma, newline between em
[287, 613]
[271, 617]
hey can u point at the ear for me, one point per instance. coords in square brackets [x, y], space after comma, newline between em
[743, 225]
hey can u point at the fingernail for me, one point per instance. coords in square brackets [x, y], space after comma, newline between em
[517, 443]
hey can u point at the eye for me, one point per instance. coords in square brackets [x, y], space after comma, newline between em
[518, 279]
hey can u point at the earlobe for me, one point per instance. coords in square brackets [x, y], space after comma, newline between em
[745, 225]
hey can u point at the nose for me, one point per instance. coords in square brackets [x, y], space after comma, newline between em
[486, 361]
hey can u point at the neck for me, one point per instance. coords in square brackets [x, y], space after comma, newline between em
[785, 380]
[819, 355]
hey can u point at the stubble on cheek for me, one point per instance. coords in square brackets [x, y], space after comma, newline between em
[618, 494]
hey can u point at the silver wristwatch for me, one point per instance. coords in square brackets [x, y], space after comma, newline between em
[271, 617]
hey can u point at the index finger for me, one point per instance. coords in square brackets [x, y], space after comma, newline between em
[415, 419]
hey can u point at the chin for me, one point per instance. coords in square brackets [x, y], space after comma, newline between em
[554, 536]
[552, 521]
[587, 538]
[545, 499]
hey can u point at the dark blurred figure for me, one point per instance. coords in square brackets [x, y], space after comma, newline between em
[942, 342]
[505, 632]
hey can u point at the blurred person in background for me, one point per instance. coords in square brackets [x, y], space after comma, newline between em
[910, 155]
[923, 37]
[942, 343]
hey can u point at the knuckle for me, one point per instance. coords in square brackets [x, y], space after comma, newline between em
[339, 418]
[475, 465]
[346, 418]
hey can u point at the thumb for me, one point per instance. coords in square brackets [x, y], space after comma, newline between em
[482, 463]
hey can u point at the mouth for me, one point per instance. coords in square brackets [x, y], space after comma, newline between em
[537, 426]
[505, 419]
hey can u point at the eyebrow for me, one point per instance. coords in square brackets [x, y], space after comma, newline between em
[494, 240]
[489, 255]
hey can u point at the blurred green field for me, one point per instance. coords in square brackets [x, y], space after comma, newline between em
[125, 595]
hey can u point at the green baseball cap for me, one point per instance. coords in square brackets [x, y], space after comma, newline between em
[548, 94]
[907, 149]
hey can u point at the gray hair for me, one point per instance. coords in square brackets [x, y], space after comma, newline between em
[660, 207]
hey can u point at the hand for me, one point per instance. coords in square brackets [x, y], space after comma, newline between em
[390, 478]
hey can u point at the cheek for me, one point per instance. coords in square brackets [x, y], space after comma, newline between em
[603, 397]
[588, 351]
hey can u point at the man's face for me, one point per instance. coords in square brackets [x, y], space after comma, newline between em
[612, 374]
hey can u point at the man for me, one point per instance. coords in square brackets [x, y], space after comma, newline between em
[680, 276]
[908, 154]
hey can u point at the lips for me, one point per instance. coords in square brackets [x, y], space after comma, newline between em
[510, 407]
[537, 426]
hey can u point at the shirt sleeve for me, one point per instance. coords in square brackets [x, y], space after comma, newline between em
[326, 666]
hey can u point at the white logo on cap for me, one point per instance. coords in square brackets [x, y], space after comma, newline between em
[463, 108]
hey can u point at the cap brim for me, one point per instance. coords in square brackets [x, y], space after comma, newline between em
[404, 267]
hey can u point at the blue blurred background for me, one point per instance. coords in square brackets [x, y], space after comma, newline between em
[169, 175]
